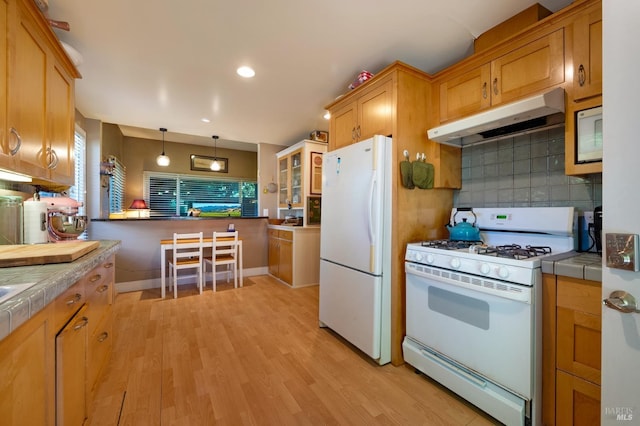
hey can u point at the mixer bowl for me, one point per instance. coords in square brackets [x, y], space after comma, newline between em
[66, 227]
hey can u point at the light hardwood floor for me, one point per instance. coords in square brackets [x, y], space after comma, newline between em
[254, 356]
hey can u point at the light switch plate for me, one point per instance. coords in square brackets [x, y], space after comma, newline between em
[622, 251]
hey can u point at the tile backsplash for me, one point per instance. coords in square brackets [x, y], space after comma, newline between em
[524, 171]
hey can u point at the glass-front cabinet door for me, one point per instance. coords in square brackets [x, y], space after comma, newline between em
[297, 178]
[283, 180]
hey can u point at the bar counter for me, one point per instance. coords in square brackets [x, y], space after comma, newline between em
[138, 264]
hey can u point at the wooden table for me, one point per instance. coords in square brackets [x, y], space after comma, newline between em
[207, 242]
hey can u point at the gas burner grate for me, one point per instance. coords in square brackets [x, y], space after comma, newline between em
[515, 251]
[449, 244]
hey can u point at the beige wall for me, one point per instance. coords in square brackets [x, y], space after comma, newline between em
[267, 173]
[139, 155]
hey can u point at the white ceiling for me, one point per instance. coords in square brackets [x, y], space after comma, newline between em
[150, 64]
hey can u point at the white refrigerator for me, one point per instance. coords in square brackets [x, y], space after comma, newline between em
[355, 245]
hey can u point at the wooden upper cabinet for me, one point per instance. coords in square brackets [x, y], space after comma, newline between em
[465, 94]
[533, 67]
[363, 117]
[60, 134]
[6, 159]
[374, 111]
[27, 95]
[37, 121]
[529, 69]
[587, 53]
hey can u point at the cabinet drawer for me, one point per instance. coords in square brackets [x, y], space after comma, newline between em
[67, 304]
[273, 233]
[580, 295]
[286, 235]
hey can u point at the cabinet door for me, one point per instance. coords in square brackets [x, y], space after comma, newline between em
[283, 181]
[25, 375]
[6, 159]
[286, 261]
[578, 344]
[60, 115]
[297, 179]
[529, 69]
[587, 54]
[343, 126]
[577, 401]
[274, 256]
[27, 95]
[465, 94]
[71, 350]
[375, 112]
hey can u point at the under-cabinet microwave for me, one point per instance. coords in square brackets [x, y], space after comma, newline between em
[589, 135]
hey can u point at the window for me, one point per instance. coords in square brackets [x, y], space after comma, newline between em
[173, 195]
[78, 190]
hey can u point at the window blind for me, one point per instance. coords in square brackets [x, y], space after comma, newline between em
[174, 194]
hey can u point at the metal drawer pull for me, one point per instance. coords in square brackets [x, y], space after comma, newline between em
[76, 298]
[484, 90]
[621, 301]
[81, 323]
[495, 86]
[103, 336]
[108, 265]
[102, 288]
[95, 278]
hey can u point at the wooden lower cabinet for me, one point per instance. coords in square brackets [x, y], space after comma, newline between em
[571, 351]
[281, 255]
[294, 255]
[577, 401]
[27, 377]
[71, 355]
[50, 365]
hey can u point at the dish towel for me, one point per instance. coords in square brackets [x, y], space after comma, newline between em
[406, 173]
[422, 174]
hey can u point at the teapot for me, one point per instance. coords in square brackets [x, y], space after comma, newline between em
[464, 231]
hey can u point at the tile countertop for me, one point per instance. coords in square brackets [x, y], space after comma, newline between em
[50, 281]
[584, 266]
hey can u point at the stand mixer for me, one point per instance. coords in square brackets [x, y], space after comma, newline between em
[63, 221]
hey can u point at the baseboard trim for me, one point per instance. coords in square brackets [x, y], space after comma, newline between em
[140, 285]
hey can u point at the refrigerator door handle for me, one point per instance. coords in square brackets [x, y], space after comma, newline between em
[372, 185]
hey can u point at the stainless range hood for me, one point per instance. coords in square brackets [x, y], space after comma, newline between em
[538, 112]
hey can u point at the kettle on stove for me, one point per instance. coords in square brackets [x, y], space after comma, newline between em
[464, 231]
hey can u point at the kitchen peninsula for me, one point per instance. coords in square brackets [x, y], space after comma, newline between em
[138, 261]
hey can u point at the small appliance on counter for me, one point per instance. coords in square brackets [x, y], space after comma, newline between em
[63, 223]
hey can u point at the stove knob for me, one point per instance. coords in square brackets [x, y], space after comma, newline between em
[455, 263]
[418, 256]
[485, 269]
[430, 258]
[503, 272]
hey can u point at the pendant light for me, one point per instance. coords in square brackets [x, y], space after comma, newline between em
[215, 166]
[163, 160]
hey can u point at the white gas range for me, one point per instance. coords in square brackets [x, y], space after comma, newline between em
[472, 320]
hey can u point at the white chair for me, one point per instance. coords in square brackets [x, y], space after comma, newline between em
[224, 252]
[187, 254]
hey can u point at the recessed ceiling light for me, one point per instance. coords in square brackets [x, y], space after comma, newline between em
[205, 120]
[246, 72]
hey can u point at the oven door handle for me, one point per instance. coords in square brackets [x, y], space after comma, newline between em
[505, 290]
